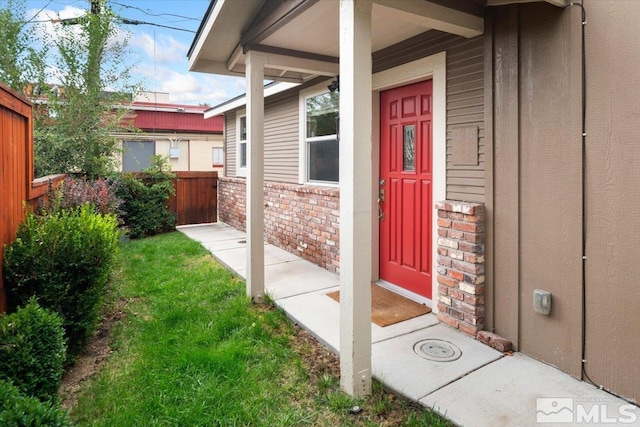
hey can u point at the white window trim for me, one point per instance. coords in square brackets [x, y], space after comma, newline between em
[303, 155]
[213, 162]
[240, 171]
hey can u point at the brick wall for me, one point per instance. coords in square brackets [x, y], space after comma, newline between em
[301, 219]
[461, 239]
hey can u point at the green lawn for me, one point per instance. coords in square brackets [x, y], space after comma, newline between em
[193, 351]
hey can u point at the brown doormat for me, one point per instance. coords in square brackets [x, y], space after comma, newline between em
[388, 307]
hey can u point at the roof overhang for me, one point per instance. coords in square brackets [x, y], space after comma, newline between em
[301, 37]
[240, 101]
[559, 3]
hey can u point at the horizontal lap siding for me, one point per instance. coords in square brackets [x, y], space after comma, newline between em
[230, 144]
[281, 146]
[465, 107]
[465, 99]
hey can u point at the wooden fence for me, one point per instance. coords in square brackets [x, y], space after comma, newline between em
[18, 189]
[196, 198]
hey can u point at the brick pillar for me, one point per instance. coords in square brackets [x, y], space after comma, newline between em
[461, 265]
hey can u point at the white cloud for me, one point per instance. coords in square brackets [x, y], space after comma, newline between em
[165, 49]
[190, 88]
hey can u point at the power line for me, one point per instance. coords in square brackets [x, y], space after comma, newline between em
[127, 21]
[136, 22]
[147, 12]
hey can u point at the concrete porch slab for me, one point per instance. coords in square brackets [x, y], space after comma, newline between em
[211, 232]
[291, 278]
[397, 365]
[317, 313]
[505, 393]
[236, 258]
[320, 314]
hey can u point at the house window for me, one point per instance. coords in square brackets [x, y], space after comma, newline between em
[241, 146]
[218, 157]
[321, 137]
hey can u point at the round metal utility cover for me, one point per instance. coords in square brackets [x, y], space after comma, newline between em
[437, 350]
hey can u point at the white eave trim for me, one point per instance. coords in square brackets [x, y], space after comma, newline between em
[241, 101]
[213, 17]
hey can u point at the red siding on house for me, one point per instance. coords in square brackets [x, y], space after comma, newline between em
[176, 121]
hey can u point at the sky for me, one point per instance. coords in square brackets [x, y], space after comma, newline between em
[160, 53]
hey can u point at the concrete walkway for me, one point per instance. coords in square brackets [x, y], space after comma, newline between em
[481, 387]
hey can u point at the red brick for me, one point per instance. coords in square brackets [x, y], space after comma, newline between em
[442, 232]
[468, 329]
[443, 290]
[456, 294]
[495, 341]
[456, 314]
[474, 237]
[448, 243]
[442, 260]
[474, 218]
[443, 251]
[468, 267]
[442, 214]
[444, 223]
[452, 234]
[474, 299]
[468, 226]
[471, 247]
[474, 258]
[474, 320]
[456, 216]
[446, 281]
[456, 275]
[445, 318]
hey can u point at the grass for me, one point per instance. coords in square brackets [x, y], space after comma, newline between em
[192, 350]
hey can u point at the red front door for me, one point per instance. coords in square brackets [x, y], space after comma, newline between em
[406, 187]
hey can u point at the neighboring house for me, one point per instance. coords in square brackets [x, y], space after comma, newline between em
[177, 131]
[477, 166]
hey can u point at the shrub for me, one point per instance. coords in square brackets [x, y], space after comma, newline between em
[64, 260]
[32, 350]
[19, 410]
[144, 201]
[75, 192]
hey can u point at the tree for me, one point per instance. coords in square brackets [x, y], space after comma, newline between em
[97, 83]
[21, 63]
[73, 130]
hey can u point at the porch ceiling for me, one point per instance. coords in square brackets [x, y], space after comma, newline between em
[301, 37]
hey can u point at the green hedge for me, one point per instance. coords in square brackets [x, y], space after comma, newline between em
[19, 410]
[32, 350]
[144, 199]
[64, 260]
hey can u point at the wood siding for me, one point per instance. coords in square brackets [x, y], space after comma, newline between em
[536, 191]
[465, 99]
[613, 178]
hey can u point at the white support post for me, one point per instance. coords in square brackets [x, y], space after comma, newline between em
[255, 176]
[356, 171]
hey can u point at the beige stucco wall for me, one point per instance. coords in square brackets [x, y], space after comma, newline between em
[196, 150]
